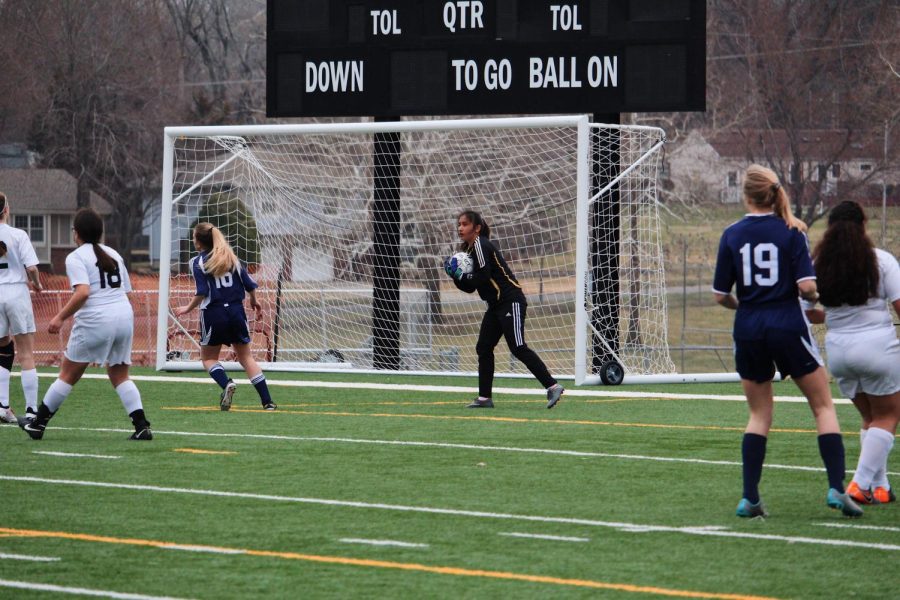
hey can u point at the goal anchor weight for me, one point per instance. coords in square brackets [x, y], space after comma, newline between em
[611, 373]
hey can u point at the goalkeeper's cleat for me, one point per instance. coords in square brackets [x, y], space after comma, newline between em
[34, 429]
[554, 393]
[270, 406]
[7, 415]
[479, 403]
[748, 510]
[861, 496]
[227, 395]
[843, 503]
[143, 434]
[885, 495]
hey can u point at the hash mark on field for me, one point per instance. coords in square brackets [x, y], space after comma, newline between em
[72, 454]
[538, 536]
[433, 510]
[30, 558]
[382, 543]
[199, 451]
[45, 587]
[209, 549]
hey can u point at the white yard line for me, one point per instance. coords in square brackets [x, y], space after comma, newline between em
[855, 526]
[571, 392]
[72, 454]
[538, 536]
[715, 531]
[207, 549]
[447, 445]
[382, 543]
[43, 587]
[29, 558]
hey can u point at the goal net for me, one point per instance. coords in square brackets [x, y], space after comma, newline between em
[345, 228]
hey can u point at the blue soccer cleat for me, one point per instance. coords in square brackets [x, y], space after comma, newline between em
[843, 503]
[748, 510]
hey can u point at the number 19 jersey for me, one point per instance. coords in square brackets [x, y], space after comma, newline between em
[106, 289]
[765, 259]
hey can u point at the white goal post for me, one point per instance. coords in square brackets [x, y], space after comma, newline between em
[345, 227]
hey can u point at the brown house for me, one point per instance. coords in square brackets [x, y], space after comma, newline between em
[43, 203]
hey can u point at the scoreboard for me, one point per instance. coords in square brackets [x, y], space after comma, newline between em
[464, 57]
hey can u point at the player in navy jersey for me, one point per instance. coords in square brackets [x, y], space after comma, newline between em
[766, 256]
[222, 283]
[103, 329]
[495, 283]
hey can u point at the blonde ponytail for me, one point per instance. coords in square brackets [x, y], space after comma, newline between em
[221, 258]
[762, 189]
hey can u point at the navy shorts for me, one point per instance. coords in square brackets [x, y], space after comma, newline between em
[794, 354]
[225, 324]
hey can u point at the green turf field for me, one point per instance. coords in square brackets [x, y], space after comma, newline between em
[375, 491]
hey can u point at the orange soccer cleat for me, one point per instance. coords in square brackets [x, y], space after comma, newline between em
[860, 495]
[884, 495]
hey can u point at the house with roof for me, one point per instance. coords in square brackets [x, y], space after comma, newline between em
[709, 167]
[43, 202]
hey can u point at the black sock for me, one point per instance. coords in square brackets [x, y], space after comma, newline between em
[831, 448]
[753, 453]
[43, 414]
[139, 420]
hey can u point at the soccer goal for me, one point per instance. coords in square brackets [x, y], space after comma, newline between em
[346, 226]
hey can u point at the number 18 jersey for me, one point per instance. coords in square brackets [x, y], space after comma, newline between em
[106, 289]
[765, 259]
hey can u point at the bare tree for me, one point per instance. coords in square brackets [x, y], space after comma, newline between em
[222, 45]
[96, 75]
[795, 67]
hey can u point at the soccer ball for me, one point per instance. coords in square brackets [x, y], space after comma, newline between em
[461, 263]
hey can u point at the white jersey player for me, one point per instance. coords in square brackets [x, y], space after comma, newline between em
[857, 283]
[18, 268]
[103, 330]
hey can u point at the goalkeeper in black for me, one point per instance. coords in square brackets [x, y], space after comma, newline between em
[495, 283]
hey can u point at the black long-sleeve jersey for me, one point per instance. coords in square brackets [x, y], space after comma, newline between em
[491, 277]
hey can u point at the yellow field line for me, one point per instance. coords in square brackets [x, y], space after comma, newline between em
[486, 418]
[198, 451]
[384, 564]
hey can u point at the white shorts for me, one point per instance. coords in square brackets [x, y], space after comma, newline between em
[102, 338]
[16, 314]
[865, 362]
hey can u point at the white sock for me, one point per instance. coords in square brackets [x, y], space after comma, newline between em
[4, 386]
[30, 388]
[873, 456]
[130, 396]
[56, 394]
[880, 479]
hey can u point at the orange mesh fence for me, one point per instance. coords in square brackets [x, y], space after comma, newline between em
[49, 347]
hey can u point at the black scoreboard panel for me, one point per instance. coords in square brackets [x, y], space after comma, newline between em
[461, 57]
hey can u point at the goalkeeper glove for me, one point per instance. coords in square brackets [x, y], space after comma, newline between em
[451, 266]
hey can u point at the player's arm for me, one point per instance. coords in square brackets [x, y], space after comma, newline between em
[724, 277]
[80, 294]
[33, 278]
[809, 291]
[202, 288]
[194, 303]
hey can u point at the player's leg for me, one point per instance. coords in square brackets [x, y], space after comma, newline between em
[513, 324]
[815, 387]
[489, 334]
[754, 365]
[254, 372]
[70, 373]
[209, 356]
[25, 352]
[130, 397]
[7, 356]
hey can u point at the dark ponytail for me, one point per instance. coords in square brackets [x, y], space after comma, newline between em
[2, 208]
[89, 227]
[476, 220]
[845, 260]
